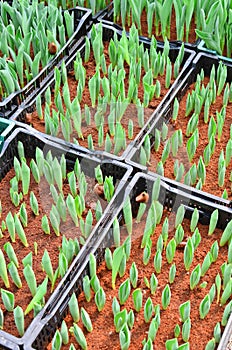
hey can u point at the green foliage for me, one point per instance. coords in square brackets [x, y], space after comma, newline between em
[148, 310]
[74, 308]
[166, 297]
[124, 291]
[79, 336]
[204, 306]
[137, 297]
[7, 299]
[40, 293]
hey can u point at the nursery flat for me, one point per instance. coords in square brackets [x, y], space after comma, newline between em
[109, 95]
[45, 219]
[161, 276]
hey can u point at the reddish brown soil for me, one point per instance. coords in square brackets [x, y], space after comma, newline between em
[104, 336]
[211, 184]
[35, 234]
[131, 112]
[173, 35]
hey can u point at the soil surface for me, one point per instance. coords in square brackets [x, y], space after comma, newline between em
[211, 183]
[104, 335]
[36, 236]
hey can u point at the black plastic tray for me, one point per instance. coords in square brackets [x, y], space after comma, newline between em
[202, 48]
[201, 61]
[98, 14]
[40, 333]
[107, 18]
[108, 32]
[6, 128]
[121, 174]
[226, 336]
[82, 24]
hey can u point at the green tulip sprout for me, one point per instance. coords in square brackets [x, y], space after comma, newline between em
[204, 306]
[124, 291]
[188, 254]
[100, 299]
[137, 299]
[74, 308]
[30, 279]
[79, 336]
[13, 271]
[134, 275]
[148, 310]
[3, 270]
[170, 250]
[86, 320]
[8, 299]
[195, 276]
[26, 64]
[41, 291]
[166, 297]
[19, 319]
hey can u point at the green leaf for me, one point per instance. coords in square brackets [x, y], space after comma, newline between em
[120, 319]
[47, 265]
[74, 308]
[79, 336]
[7, 299]
[166, 297]
[10, 226]
[30, 279]
[19, 320]
[179, 215]
[14, 274]
[117, 258]
[3, 270]
[23, 214]
[45, 225]
[100, 299]
[134, 275]
[25, 177]
[10, 253]
[124, 337]
[34, 203]
[40, 293]
[57, 341]
[55, 220]
[194, 220]
[20, 231]
[184, 310]
[195, 276]
[7, 81]
[148, 310]
[227, 234]
[186, 329]
[170, 250]
[124, 291]
[188, 254]
[227, 292]
[86, 320]
[99, 175]
[127, 212]
[204, 306]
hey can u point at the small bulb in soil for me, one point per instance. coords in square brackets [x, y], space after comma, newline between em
[182, 244]
[52, 48]
[203, 284]
[142, 197]
[28, 118]
[98, 189]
